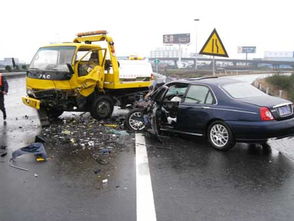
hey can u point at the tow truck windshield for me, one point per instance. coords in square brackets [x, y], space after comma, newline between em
[53, 58]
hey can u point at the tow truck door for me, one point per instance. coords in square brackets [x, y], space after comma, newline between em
[89, 69]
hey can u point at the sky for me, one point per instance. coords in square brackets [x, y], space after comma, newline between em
[137, 26]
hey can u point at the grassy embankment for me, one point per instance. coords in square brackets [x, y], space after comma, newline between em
[282, 82]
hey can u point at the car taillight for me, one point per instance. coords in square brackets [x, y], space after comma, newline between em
[265, 114]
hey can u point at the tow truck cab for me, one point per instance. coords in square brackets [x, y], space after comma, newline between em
[79, 76]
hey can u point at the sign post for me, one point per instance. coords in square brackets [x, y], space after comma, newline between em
[214, 46]
[156, 62]
[246, 50]
[177, 39]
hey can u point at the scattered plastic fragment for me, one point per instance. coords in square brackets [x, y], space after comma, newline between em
[67, 132]
[16, 167]
[119, 132]
[111, 125]
[97, 171]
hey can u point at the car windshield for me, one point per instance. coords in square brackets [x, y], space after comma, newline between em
[242, 90]
[53, 58]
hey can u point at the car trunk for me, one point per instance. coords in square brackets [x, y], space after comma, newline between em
[281, 109]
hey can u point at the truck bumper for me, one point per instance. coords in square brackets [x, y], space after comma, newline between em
[31, 102]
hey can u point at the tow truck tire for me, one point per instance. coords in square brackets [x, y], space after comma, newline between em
[54, 113]
[102, 107]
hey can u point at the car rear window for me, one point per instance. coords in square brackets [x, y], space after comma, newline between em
[242, 90]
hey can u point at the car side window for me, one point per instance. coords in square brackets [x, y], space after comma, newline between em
[199, 94]
[176, 92]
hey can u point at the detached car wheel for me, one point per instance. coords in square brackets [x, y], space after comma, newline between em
[102, 108]
[135, 120]
[220, 136]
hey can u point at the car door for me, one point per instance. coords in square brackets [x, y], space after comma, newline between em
[195, 110]
[165, 96]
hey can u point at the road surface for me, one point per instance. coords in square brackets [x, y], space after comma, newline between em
[189, 180]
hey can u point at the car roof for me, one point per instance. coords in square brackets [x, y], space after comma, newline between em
[208, 80]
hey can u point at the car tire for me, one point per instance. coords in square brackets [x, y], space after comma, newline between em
[101, 108]
[220, 136]
[135, 121]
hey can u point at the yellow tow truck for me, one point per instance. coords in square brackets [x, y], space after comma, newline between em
[79, 76]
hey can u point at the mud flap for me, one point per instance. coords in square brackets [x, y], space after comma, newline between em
[43, 116]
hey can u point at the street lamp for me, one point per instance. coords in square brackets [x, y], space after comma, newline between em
[196, 54]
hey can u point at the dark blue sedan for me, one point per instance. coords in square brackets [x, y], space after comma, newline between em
[224, 110]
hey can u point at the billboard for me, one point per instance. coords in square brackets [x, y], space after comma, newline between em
[247, 49]
[176, 38]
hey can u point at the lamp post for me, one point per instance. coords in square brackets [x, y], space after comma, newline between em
[196, 54]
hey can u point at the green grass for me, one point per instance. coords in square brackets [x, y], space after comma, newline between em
[285, 83]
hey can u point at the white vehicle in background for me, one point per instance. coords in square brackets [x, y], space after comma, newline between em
[139, 69]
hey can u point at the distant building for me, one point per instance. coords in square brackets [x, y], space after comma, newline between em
[279, 55]
[8, 61]
[168, 52]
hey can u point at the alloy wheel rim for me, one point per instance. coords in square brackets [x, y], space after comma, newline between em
[219, 135]
[136, 124]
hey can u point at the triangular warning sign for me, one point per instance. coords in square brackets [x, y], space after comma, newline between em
[214, 46]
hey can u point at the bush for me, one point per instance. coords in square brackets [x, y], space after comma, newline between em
[24, 67]
[283, 82]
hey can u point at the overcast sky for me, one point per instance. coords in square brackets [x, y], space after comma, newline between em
[137, 26]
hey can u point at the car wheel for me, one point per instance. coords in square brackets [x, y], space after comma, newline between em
[102, 107]
[220, 136]
[135, 120]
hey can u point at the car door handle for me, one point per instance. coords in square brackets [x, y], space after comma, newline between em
[204, 107]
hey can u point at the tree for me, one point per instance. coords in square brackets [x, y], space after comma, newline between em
[24, 67]
[8, 68]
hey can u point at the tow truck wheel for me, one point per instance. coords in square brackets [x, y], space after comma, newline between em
[102, 108]
[54, 113]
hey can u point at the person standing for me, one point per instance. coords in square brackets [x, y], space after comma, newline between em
[3, 91]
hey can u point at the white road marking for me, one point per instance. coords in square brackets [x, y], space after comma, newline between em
[145, 200]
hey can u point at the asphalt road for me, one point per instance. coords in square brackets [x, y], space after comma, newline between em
[190, 180]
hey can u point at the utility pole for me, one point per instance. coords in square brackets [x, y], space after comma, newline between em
[196, 54]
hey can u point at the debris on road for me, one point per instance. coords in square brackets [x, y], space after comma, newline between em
[85, 132]
[11, 164]
[37, 149]
[82, 140]
[3, 151]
